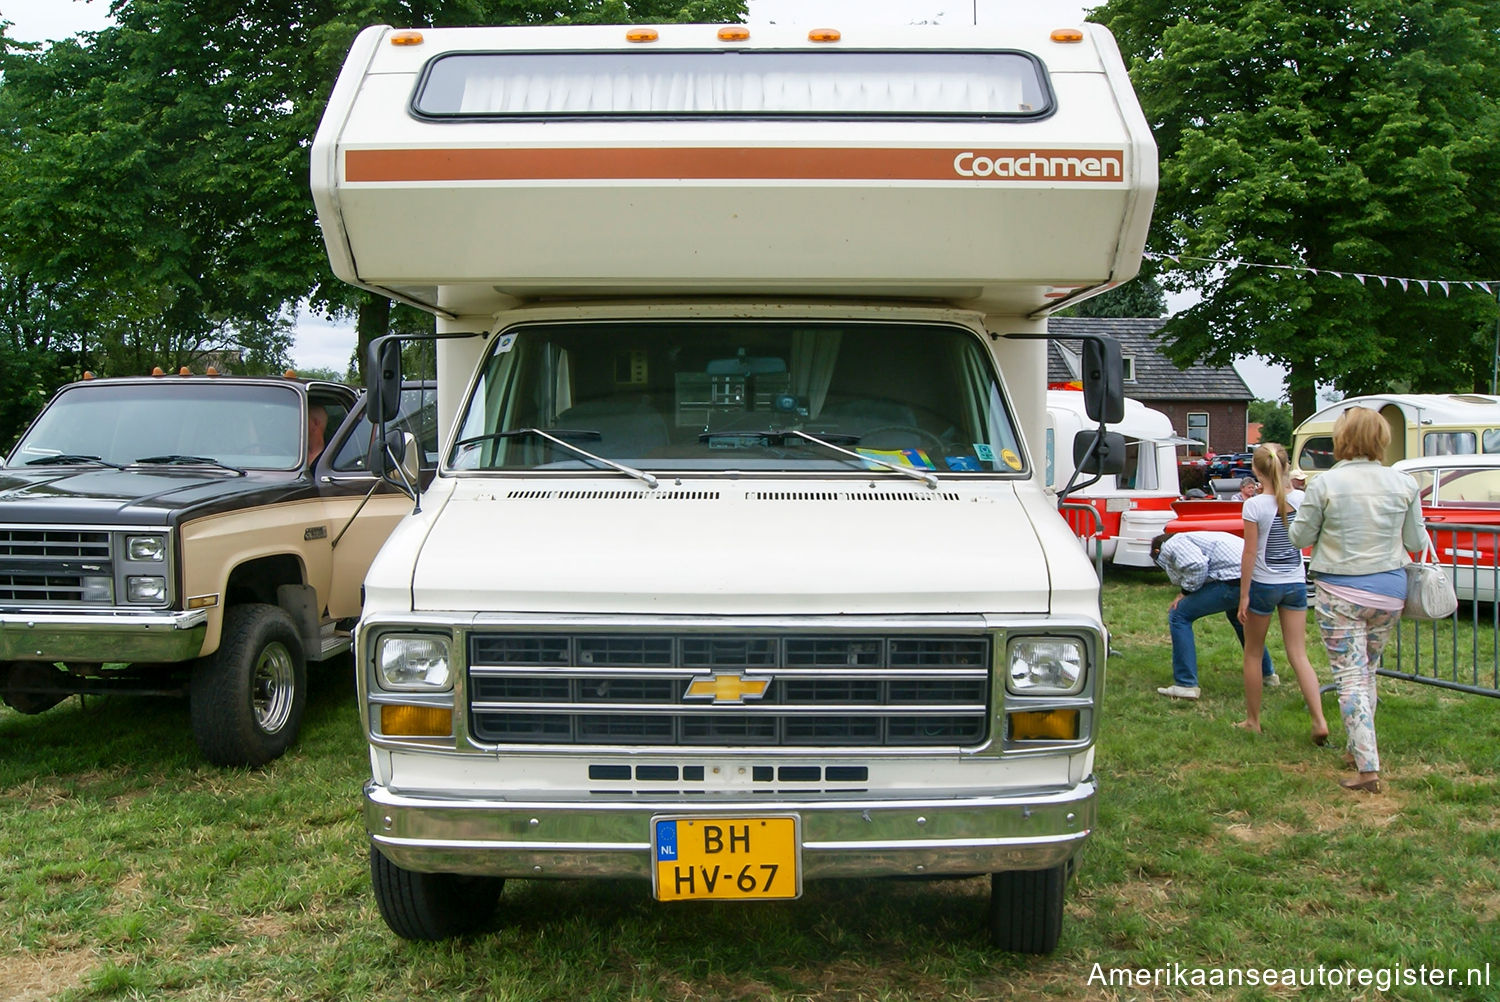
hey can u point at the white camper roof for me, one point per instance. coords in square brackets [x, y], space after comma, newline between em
[1466, 409]
[1140, 422]
[995, 169]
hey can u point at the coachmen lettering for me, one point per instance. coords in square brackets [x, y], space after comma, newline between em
[1041, 165]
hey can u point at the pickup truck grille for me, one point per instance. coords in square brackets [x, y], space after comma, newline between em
[633, 689]
[46, 565]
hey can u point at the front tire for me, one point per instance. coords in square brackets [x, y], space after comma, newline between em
[1026, 909]
[246, 699]
[431, 906]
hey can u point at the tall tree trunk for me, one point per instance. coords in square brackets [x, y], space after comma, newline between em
[374, 320]
[1302, 387]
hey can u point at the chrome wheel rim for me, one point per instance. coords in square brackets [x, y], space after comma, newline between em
[273, 687]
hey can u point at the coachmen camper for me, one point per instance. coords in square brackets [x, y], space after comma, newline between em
[738, 569]
[1131, 507]
[1422, 424]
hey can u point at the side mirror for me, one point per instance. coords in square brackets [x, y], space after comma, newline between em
[1103, 380]
[1099, 454]
[397, 458]
[385, 379]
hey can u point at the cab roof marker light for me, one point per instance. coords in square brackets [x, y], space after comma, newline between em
[734, 33]
[1067, 34]
[641, 35]
[406, 38]
[184, 371]
[824, 35]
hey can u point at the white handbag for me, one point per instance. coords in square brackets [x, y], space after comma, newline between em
[1429, 590]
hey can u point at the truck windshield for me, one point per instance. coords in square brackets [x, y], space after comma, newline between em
[216, 423]
[723, 395]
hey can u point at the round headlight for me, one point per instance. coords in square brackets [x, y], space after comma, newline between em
[413, 663]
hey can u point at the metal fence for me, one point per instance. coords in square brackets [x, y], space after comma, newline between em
[1463, 651]
[1089, 528]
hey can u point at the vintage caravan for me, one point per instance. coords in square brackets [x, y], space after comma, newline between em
[1132, 507]
[738, 569]
[1422, 424]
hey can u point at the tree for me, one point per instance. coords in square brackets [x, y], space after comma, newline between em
[1140, 297]
[1275, 421]
[1353, 137]
[156, 171]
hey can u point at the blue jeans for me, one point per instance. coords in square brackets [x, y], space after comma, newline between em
[1215, 596]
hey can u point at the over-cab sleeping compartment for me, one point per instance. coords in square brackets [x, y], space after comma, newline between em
[997, 169]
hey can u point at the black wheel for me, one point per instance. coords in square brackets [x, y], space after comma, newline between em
[21, 680]
[431, 906]
[1026, 909]
[892, 431]
[247, 698]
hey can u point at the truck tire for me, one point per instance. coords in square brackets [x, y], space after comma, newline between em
[431, 906]
[246, 699]
[1026, 909]
[17, 679]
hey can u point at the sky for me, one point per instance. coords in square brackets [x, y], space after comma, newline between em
[323, 345]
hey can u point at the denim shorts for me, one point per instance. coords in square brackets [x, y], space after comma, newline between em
[1266, 598]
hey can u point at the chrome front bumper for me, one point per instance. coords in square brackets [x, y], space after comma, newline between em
[840, 838]
[137, 637]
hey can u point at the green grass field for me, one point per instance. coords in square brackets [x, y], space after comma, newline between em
[129, 870]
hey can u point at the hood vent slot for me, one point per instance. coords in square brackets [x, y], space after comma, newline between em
[860, 496]
[597, 495]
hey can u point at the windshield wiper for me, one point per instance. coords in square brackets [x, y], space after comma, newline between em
[554, 436]
[827, 442]
[179, 460]
[71, 459]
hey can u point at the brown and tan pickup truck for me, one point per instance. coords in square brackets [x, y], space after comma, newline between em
[192, 534]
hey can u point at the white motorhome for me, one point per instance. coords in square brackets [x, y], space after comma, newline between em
[738, 567]
[1132, 507]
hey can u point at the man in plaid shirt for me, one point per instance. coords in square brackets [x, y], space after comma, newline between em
[1206, 567]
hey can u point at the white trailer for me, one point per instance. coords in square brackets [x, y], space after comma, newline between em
[738, 568]
[1132, 507]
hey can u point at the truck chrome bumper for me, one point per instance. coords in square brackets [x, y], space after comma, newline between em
[840, 838]
[102, 636]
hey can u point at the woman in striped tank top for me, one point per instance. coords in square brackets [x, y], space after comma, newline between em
[1272, 580]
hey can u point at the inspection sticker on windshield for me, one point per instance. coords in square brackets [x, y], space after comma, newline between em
[913, 459]
[726, 857]
[984, 452]
[1010, 459]
[505, 344]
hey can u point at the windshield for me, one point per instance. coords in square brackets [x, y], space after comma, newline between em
[723, 395]
[232, 424]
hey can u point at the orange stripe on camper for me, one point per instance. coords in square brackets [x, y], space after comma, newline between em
[735, 163]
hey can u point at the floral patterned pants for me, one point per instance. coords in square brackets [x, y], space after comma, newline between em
[1355, 636]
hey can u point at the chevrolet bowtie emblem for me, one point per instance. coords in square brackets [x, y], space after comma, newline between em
[727, 688]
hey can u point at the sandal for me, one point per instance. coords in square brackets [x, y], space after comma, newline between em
[1361, 786]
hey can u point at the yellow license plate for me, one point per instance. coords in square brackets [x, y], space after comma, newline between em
[697, 858]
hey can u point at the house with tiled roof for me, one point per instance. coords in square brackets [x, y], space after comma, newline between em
[1204, 402]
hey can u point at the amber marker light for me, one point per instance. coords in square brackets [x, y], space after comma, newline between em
[734, 33]
[157, 370]
[87, 376]
[406, 38]
[416, 721]
[184, 371]
[824, 35]
[1044, 725]
[1067, 35]
[641, 35]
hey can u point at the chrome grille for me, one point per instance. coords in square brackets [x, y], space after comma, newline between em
[46, 565]
[630, 689]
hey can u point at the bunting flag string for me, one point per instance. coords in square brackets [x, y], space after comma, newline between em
[1488, 286]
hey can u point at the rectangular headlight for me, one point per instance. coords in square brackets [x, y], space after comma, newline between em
[1046, 666]
[145, 548]
[412, 663]
[146, 590]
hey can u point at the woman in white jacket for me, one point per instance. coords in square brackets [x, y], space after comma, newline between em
[1360, 518]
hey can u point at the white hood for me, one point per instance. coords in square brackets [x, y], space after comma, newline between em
[721, 549]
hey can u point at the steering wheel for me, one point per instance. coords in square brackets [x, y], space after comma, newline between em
[924, 436]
